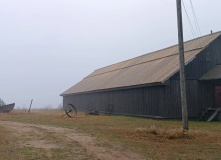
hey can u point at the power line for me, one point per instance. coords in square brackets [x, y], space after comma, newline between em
[195, 18]
[190, 24]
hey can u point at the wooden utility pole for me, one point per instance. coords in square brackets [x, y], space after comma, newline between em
[182, 66]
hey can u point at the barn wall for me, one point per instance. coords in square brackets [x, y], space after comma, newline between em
[173, 105]
[204, 61]
[161, 100]
[200, 95]
[207, 93]
[138, 101]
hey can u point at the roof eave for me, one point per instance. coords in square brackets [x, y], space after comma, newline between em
[117, 88]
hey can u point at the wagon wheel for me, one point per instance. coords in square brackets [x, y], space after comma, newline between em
[108, 109]
[70, 110]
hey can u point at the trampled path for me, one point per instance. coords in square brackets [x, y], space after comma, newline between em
[85, 146]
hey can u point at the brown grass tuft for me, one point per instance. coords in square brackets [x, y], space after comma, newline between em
[179, 134]
[166, 133]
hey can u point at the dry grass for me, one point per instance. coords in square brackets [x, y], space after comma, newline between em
[168, 134]
[151, 138]
[174, 134]
[5, 136]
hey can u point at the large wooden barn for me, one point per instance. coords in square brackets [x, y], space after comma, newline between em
[148, 85]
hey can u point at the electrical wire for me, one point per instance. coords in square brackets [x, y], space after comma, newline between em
[190, 24]
[191, 27]
[195, 18]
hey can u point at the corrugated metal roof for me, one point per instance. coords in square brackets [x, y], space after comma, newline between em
[214, 73]
[154, 67]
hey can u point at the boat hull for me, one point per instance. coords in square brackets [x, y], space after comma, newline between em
[7, 108]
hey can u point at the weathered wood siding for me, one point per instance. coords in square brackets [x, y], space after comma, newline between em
[161, 101]
[153, 101]
[137, 101]
[204, 61]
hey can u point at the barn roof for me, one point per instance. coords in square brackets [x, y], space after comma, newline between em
[213, 74]
[154, 67]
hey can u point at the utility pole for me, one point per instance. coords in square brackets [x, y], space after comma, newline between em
[182, 66]
[30, 106]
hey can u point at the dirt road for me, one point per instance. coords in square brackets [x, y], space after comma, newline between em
[82, 146]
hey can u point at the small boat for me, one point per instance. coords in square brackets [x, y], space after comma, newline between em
[7, 108]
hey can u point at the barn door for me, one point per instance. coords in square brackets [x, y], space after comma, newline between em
[218, 96]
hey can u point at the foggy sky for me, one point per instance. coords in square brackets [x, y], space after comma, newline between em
[47, 46]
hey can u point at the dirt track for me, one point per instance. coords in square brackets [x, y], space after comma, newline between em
[50, 137]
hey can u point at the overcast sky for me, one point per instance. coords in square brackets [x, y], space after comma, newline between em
[47, 46]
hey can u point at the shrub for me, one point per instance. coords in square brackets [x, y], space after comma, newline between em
[2, 103]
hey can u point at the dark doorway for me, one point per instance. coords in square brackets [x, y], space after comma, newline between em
[218, 96]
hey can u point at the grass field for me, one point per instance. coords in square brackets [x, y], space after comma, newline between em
[151, 139]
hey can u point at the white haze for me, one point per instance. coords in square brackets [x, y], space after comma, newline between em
[47, 46]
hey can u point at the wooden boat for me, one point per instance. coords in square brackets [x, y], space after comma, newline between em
[7, 108]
